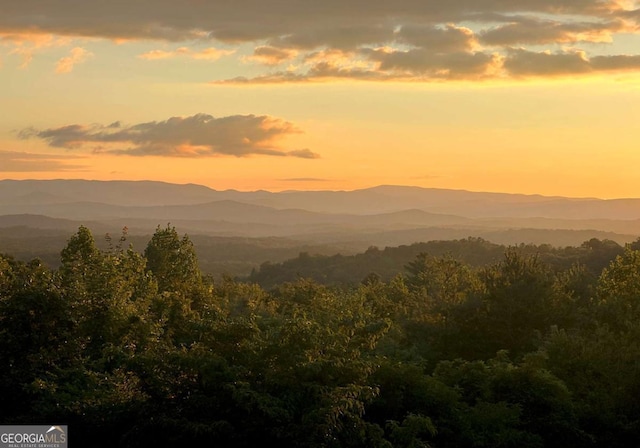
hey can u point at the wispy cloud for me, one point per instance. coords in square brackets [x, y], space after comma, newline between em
[76, 56]
[200, 135]
[209, 54]
[25, 54]
[21, 162]
[26, 45]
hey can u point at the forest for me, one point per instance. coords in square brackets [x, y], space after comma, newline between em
[521, 348]
[340, 269]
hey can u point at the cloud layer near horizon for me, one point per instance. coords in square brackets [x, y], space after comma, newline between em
[199, 135]
[22, 162]
[359, 39]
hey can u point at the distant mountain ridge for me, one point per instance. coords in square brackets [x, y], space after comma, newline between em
[379, 215]
[237, 231]
[109, 192]
[375, 200]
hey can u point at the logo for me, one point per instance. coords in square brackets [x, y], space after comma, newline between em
[26, 436]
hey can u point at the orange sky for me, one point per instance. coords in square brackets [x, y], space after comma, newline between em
[536, 98]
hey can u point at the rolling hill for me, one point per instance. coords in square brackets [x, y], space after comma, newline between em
[325, 221]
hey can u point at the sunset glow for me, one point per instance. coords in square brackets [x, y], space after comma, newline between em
[531, 97]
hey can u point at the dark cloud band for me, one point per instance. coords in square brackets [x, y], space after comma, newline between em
[373, 40]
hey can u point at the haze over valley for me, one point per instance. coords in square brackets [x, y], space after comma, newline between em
[37, 217]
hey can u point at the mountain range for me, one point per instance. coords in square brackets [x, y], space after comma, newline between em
[353, 220]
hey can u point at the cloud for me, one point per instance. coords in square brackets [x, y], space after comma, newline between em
[535, 31]
[76, 56]
[26, 45]
[632, 14]
[321, 72]
[251, 20]
[303, 154]
[455, 65]
[528, 63]
[344, 37]
[617, 63]
[37, 40]
[199, 135]
[268, 55]
[21, 162]
[383, 64]
[449, 38]
[521, 62]
[25, 53]
[208, 54]
[403, 40]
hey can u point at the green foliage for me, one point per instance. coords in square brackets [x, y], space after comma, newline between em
[142, 350]
[386, 263]
[600, 368]
[518, 302]
[36, 330]
[172, 260]
[412, 432]
[618, 292]
[442, 281]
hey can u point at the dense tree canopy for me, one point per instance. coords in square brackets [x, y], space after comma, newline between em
[140, 349]
[341, 270]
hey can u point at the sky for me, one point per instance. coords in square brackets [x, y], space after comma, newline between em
[520, 96]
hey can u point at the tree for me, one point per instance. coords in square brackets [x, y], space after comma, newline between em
[109, 291]
[518, 303]
[600, 253]
[173, 261]
[442, 282]
[36, 332]
[79, 260]
[618, 292]
[182, 294]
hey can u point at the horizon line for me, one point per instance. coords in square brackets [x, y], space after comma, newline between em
[289, 190]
